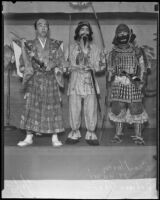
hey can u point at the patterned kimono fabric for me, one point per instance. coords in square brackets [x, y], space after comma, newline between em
[43, 112]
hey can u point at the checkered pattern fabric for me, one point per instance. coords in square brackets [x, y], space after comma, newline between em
[43, 110]
[126, 93]
[126, 62]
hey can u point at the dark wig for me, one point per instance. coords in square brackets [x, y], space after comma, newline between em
[80, 25]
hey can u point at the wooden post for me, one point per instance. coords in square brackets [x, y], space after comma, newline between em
[8, 127]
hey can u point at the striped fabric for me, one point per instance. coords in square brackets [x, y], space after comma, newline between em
[126, 93]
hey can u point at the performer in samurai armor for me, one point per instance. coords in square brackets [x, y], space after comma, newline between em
[84, 56]
[43, 60]
[127, 68]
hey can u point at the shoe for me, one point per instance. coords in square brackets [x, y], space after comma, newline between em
[26, 142]
[73, 137]
[56, 142]
[68, 141]
[88, 141]
[93, 142]
[72, 141]
[91, 138]
[117, 139]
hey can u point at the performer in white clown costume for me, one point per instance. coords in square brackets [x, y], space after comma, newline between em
[127, 68]
[84, 56]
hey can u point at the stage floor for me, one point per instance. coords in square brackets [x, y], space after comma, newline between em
[108, 171]
[79, 161]
[11, 138]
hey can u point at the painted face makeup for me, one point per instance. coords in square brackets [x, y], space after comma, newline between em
[123, 37]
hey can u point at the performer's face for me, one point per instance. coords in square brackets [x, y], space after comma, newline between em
[84, 31]
[123, 37]
[42, 27]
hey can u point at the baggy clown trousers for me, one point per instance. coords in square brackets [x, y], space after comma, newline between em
[90, 111]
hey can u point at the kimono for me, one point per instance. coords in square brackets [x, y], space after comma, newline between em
[43, 113]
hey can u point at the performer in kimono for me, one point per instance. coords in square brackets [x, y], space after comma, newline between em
[84, 56]
[43, 60]
[127, 68]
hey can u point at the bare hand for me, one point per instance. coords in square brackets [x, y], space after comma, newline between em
[48, 68]
[66, 67]
[23, 42]
[105, 51]
[88, 68]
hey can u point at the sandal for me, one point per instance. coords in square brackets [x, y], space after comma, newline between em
[117, 139]
[138, 140]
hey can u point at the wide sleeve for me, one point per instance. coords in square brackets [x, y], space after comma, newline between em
[28, 69]
[143, 64]
[71, 55]
[110, 65]
[98, 59]
[59, 57]
[60, 64]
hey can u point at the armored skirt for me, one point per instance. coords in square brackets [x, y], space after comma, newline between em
[42, 111]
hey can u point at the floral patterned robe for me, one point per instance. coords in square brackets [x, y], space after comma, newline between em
[43, 112]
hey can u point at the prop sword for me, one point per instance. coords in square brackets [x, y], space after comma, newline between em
[69, 43]
[96, 93]
[38, 62]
